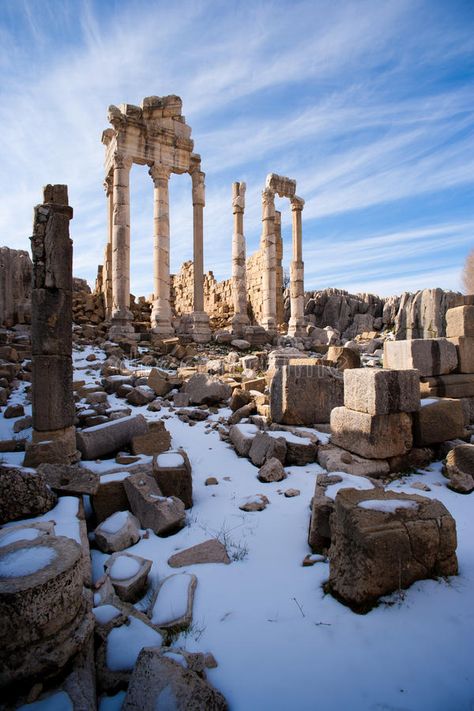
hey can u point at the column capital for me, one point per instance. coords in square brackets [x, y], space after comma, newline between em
[238, 197]
[268, 204]
[297, 203]
[159, 172]
[199, 187]
[121, 160]
[108, 184]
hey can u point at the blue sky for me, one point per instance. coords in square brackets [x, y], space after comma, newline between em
[368, 104]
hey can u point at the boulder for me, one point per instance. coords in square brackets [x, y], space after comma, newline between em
[119, 531]
[172, 471]
[128, 574]
[208, 389]
[159, 683]
[164, 515]
[264, 447]
[13, 411]
[211, 551]
[434, 356]
[272, 470]
[372, 436]
[141, 395]
[438, 421]
[459, 468]
[259, 502]
[23, 493]
[381, 391]
[108, 438]
[158, 382]
[383, 541]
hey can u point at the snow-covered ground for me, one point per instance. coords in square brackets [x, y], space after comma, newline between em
[279, 641]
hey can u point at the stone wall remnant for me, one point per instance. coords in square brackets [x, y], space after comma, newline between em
[15, 286]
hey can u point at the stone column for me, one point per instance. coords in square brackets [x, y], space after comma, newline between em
[199, 319]
[54, 434]
[269, 273]
[121, 314]
[279, 268]
[161, 310]
[239, 267]
[107, 268]
[296, 325]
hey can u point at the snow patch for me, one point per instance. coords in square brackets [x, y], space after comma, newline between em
[105, 613]
[387, 505]
[124, 568]
[114, 523]
[172, 600]
[125, 643]
[26, 561]
[170, 460]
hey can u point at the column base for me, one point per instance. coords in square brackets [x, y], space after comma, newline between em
[297, 328]
[196, 324]
[53, 447]
[121, 324]
[269, 324]
[239, 323]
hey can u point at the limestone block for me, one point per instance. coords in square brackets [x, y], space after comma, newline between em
[164, 515]
[438, 421]
[264, 447]
[459, 468]
[383, 541]
[299, 450]
[172, 471]
[343, 358]
[381, 392]
[68, 479]
[211, 551]
[110, 437]
[157, 678]
[254, 384]
[239, 398]
[117, 532]
[465, 349]
[111, 496]
[208, 389]
[23, 493]
[140, 395]
[371, 436]
[52, 387]
[159, 383]
[335, 459]
[455, 385]
[113, 382]
[157, 440]
[433, 356]
[129, 575]
[304, 392]
[242, 437]
[460, 322]
[172, 605]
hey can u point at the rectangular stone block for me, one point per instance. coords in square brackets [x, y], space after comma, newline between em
[438, 421]
[372, 436]
[460, 322]
[51, 330]
[431, 356]
[465, 348]
[109, 437]
[304, 392]
[456, 385]
[53, 401]
[381, 392]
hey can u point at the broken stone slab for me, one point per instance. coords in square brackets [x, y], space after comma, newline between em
[459, 468]
[372, 436]
[304, 392]
[259, 502]
[432, 356]
[245, 411]
[172, 471]
[383, 541]
[118, 531]
[110, 437]
[465, 350]
[157, 440]
[202, 388]
[172, 605]
[159, 683]
[23, 493]
[322, 505]
[239, 399]
[69, 479]
[211, 551]
[158, 382]
[265, 446]
[242, 437]
[272, 470]
[25, 532]
[164, 515]
[437, 421]
[381, 391]
[455, 385]
[335, 459]
[460, 322]
[129, 575]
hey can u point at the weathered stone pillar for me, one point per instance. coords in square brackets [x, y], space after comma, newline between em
[279, 268]
[161, 311]
[239, 268]
[269, 274]
[199, 319]
[107, 267]
[54, 434]
[121, 314]
[296, 326]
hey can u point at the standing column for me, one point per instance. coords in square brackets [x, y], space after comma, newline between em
[107, 268]
[296, 325]
[239, 267]
[121, 314]
[269, 272]
[54, 434]
[161, 310]
[199, 319]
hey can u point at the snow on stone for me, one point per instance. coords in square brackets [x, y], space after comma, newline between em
[387, 505]
[124, 568]
[124, 643]
[428, 401]
[289, 436]
[22, 534]
[172, 600]
[60, 701]
[105, 613]
[349, 481]
[114, 523]
[248, 430]
[26, 561]
[178, 658]
[170, 460]
[114, 476]
[107, 424]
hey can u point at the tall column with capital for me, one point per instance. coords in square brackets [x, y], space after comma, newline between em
[269, 272]
[161, 310]
[199, 319]
[121, 314]
[107, 267]
[239, 268]
[296, 326]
